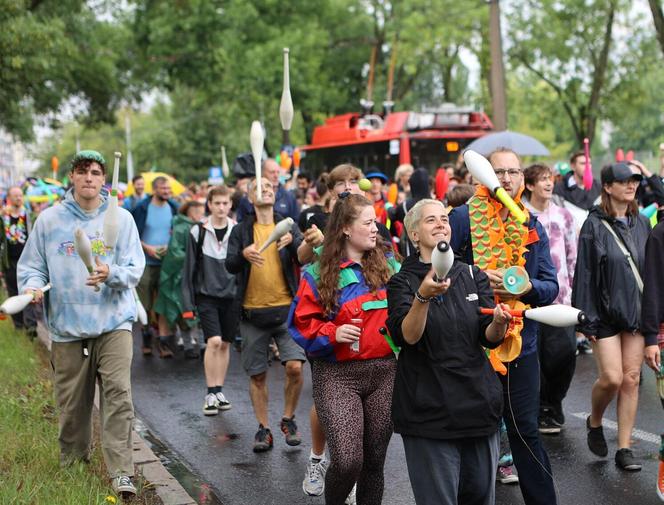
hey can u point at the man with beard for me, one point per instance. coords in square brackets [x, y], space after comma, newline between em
[153, 218]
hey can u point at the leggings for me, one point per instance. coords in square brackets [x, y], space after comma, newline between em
[354, 400]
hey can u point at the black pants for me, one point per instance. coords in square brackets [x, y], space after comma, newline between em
[25, 319]
[557, 354]
[521, 413]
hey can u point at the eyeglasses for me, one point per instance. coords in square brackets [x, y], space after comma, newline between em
[513, 172]
[344, 184]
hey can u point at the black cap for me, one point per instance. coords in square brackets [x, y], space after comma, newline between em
[618, 172]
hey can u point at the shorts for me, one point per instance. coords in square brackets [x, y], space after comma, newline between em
[148, 287]
[255, 347]
[218, 317]
[605, 330]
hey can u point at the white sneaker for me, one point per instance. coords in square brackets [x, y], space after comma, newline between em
[210, 405]
[314, 479]
[350, 500]
[222, 402]
[123, 486]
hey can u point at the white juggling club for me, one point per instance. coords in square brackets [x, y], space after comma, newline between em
[482, 171]
[112, 218]
[83, 248]
[15, 304]
[286, 105]
[282, 227]
[224, 163]
[442, 258]
[556, 315]
[256, 139]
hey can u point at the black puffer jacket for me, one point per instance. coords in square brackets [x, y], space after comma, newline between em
[604, 286]
[445, 387]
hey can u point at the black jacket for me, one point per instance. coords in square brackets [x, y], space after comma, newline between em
[242, 236]
[604, 286]
[445, 387]
[652, 310]
[577, 195]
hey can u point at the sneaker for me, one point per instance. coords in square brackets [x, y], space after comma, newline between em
[314, 479]
[123, 486]
[263, 440]
[210, 407]
[596, 440]
[625, 460]
[507, 475]
[222, 402]
[506, 460]
[547, 425]
[289, 429]
[350, 499]
[660, 481]
[583, 347]
[164, 351]
[180, 343]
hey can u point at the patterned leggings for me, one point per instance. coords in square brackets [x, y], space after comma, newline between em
[354, 400]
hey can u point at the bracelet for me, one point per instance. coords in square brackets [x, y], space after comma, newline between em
[420, 298]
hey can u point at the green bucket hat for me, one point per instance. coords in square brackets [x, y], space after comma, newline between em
[87, 154]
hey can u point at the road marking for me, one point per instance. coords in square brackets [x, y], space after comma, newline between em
[612, 425]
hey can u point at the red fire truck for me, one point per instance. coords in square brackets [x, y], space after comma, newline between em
[376, 142]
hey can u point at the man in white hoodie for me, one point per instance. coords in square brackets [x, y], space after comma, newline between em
[90, 330]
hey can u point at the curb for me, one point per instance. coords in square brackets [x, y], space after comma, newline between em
[146, 462]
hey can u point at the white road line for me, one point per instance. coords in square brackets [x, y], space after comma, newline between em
[612, 425]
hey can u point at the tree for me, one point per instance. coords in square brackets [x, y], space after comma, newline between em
[569, 50]
[55, 51]
[658, 20]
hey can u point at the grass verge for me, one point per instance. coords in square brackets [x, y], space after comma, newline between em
[30, 471]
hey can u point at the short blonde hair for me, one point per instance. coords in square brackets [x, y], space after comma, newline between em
[414, 215]
[403, 169]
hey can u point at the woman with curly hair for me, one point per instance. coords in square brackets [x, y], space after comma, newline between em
[337, 317]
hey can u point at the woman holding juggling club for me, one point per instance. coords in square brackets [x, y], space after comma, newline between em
[608, 288]
[444, 379]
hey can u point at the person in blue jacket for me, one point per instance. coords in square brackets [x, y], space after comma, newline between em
[484, 233]
[90, 329]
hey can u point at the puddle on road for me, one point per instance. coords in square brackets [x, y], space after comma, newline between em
[200, 491]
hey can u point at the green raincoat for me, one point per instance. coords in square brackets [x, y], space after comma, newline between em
[169, 301]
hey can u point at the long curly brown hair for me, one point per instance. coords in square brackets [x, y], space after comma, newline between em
[374, 263]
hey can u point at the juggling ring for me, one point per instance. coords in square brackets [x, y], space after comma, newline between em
[515, 280]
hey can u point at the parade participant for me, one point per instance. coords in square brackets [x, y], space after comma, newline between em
[484, 233]
[651, 189]
[571, 187]
[380, 203]
[402, 179]
[153, 218]
[557, 346]
[90, 330]
[16, 226]
[441, 333]
[607, 287]
[130, 202]
[267, 282]
[284, 204]
[419, 189]
[169, 302]
[336, 317]
[209, 290]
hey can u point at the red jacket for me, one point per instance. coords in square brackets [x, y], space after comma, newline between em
[315, 332]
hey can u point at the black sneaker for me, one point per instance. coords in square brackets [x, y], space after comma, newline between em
[548, 425]
[625, 460]
[583, 347]
[289, 429]
[263, 440]
[596, 440]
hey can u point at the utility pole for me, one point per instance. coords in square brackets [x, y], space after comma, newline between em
[497, 75]
[130, 160]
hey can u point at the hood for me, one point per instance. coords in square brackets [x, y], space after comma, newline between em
[419, 184]
[72, 205]
[181, 219]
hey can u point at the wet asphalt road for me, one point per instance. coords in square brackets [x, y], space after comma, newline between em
[168, 396]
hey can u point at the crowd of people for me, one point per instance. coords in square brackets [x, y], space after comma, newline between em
[348, 286]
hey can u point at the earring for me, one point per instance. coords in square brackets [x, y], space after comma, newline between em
[347, 235]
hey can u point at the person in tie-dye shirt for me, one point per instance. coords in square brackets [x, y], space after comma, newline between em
[557, 347]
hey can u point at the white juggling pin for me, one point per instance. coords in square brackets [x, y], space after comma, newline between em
[111, 218]
[286, 106]
[282, 227]
[442, 258]
[15, 304]
[256, 139]
[83, 248]
[556, 315]
[224, 163]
